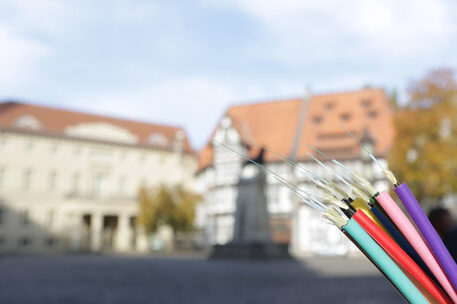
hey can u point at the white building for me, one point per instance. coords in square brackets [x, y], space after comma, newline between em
[284, 127]
[69, 180]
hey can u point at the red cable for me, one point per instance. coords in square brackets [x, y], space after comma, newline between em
[395, 251]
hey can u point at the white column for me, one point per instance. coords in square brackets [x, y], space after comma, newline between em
[123, 233]
[76, 233]
[96, 231]
[142, 242]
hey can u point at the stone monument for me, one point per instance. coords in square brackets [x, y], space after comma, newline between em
[251, 232]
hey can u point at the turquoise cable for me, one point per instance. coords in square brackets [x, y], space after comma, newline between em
[383, 261]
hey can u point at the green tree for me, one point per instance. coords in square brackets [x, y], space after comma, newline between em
[173, 206]
[425, 148]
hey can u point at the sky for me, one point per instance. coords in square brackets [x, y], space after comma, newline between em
[184, 62]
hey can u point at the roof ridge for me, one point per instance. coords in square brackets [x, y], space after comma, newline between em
[255, 103]
[347, 92]
[289, 99]
[6, 104]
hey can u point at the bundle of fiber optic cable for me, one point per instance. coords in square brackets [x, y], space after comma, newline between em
[415, 261]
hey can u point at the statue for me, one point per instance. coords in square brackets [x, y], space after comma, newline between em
[251, 215]
[251, 232]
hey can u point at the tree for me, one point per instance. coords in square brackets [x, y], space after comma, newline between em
[425, 146]
[173, 206]
[393, 98]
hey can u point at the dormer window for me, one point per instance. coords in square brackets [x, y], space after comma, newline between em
[317, 119]
[226, 132]
[180, 135]
[178, 142]
[158, 139]
[366, 102]
[226, 122]
[329, 105]
[373, 114]
[27, 122]
[345, 116]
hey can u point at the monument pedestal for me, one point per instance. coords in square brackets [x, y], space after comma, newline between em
[258, 250]
[251, 231]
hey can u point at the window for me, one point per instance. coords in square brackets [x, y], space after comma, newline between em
[25, 242]
[27, 122]
[345, 116]
[178, 141]
[122, 186]
[366, 103]
[317, 119]
[99, 184]
[3, 142]
[273, 195]
[2, 177]
[329, 105]
[50, 220]
[158, 139]
[373, 114]
[27, 179]
[25, 218]
[52, 181]
[50, 241]
[75, 183]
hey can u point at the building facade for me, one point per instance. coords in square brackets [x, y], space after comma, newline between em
[69, 180]
[284, 127]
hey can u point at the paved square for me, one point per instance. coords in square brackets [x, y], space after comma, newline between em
[127, 279]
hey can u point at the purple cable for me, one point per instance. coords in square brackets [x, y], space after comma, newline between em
[430, 235]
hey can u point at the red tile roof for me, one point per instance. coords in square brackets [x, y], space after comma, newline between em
[274, 124]
[54, 121]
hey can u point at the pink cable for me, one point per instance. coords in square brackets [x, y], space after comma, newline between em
[414, 238]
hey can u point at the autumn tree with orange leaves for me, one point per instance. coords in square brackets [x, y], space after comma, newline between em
[425, 148]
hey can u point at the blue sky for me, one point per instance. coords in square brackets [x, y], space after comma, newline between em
[185, 62]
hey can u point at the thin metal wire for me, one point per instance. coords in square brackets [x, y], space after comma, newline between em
[309, 174]
[363, 148]
[329, 169]
[356, 191]
[308, 200]
[389, 175]
[320, 182]
[358, 181]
